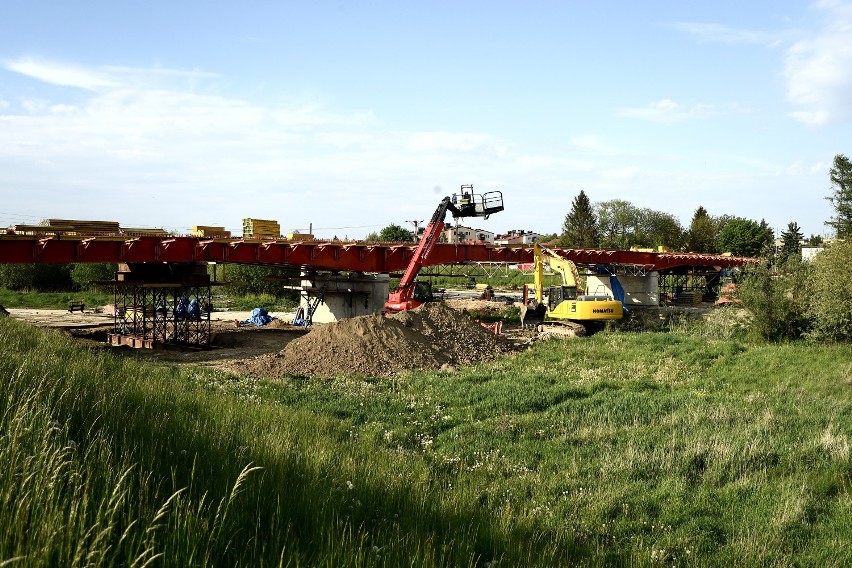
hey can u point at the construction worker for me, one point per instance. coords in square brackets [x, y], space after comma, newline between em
[466, 205]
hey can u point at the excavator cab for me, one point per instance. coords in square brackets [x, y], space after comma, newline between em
[469, 204]
[558, 294]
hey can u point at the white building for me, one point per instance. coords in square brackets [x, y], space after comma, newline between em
[517, 237]
[462, 234]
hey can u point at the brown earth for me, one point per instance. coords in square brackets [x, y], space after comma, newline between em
[433, 336]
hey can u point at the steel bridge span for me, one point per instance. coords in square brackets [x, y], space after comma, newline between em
[366, 257]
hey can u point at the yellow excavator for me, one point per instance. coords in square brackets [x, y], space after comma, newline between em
[564, 311]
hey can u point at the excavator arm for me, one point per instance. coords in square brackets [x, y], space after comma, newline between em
[567, 269]
[566, 303]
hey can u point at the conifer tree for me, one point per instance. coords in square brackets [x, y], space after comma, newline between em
[701, 235]
[580, 229]
[841, 179]
[791, 243]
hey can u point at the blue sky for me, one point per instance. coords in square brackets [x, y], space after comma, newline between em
[353, 115]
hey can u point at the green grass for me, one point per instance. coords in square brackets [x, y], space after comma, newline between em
[251, 301]
[61, 300]
[648, 449]
[53, 300]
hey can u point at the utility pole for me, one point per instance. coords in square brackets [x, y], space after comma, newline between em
[416, 228]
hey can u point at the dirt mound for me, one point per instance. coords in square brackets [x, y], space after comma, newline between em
[429, 337]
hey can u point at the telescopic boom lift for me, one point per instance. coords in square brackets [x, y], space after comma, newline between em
[410, 293]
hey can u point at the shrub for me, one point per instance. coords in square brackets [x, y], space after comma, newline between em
[36, 277]
[776, 300]
[83, 274]
[830, 305]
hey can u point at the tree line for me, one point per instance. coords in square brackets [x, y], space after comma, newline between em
[619, 224]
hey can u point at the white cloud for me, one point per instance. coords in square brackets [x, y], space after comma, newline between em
[153, 147]
[59, 74]
[666, 111]
[99, 78]
[818, 70]
[717, 33]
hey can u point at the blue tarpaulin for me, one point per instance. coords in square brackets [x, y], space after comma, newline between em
[259, 317]
[188, 309]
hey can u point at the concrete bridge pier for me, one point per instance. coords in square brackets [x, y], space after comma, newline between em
[338, 296]
[638, 290]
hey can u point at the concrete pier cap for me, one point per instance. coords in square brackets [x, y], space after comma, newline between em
[342, 296]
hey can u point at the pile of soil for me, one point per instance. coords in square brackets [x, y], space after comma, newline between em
[432, 336]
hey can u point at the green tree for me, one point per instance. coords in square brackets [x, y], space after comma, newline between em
[622, 225]
[815, 240]
[618, 221]
[701, 236]
[830, 292]
[658, 228]
[742, 237]
[395, 234]
[550, 238]
[841, 179]
[791, 244]
[580, 229]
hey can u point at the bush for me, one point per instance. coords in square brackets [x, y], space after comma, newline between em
[36, 277]
[830, 305]
[84, 274]
[776, 300]
[245, 279]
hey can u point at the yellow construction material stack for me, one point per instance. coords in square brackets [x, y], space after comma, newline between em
[145, 232]
[207, 231]
[261, 229]
[81, 227]
[300, 237]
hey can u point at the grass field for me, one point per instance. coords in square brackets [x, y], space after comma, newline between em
[619, 449]
[61, 300]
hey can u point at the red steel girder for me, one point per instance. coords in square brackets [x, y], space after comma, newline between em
[343, 256]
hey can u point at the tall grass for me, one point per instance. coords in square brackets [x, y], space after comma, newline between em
[112, 462]
[649, 449]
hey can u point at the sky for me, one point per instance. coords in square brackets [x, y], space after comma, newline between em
[349, 116]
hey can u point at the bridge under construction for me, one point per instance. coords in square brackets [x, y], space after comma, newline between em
[163, 288]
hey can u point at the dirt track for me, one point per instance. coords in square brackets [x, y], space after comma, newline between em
[230, 345]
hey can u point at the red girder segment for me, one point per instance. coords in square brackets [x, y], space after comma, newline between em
[345, 256]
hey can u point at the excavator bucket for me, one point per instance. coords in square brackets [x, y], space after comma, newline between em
[532, 314]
